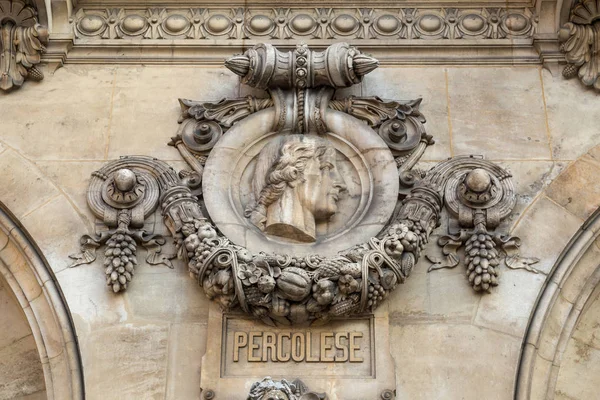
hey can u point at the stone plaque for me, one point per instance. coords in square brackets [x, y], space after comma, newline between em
[348, 359]
[341, 349]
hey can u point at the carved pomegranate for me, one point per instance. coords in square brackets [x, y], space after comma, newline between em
[294, 284]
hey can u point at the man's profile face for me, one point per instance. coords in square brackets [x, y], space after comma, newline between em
[322, 185]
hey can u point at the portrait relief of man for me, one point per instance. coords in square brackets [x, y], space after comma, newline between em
[296, 184]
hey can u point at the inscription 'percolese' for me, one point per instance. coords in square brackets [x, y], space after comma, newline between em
[335, 347]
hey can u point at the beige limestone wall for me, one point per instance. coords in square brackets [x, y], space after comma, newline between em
[447, 341]
[21, 375]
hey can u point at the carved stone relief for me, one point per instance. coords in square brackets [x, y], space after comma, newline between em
[257, 23]
[268, 389]
[22, 40]
[280, 190]
[478, 196]
[581, 43]
[296, 183]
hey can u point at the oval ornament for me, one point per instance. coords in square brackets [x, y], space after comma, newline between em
[515, 24]
[260, 25]
[91, 24]
[345, 24]
[303, 24]
[176, 24]
[430, 25]
[218, 24]
[472, 24]
[387, 25]
[133, 24]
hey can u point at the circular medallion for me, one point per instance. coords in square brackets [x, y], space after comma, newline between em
[302, 194]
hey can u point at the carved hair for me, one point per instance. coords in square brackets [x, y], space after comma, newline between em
[281, 164]
[259, 390]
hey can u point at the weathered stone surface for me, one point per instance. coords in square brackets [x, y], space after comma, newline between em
[24, 188]
[587, 326]
[577, 187]
[52, 233]
[448, 298]
[12, 318]
[75, 101]
[545, 229]
[530, 179]
[505, 121]
[20, 369]
[91, 305]
[570, 105]
[411, 83]
[151, 96]
[579, 368]
[73, 178]
[126, 361]
[508, 307]
[187, 345]
[185, 301]
[449, 361]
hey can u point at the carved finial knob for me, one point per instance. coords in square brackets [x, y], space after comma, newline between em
[478, 180]
[363, 64]
[124, 179]
[239, 64]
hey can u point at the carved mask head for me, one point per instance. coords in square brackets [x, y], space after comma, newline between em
[296, 183]
[275, 394]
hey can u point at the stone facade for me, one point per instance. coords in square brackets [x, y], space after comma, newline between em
[532, 336]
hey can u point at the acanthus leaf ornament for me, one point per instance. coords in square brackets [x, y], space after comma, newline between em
[22, 40]
[295, 188]
[580, 42]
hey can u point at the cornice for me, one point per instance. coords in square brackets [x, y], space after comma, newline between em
[204, 33]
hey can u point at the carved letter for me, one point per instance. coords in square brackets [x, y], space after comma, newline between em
[309, 356]
[281, 356]
[253, 346]
[342, 347]
[325, 346]
[298, 347]
[269, 343]
[354, 347]
[240, 340]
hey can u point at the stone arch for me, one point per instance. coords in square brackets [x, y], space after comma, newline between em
[29, 277]
[570, 285]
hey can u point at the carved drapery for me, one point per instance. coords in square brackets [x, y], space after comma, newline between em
[580, 39]
[287, 289]
[22, 40]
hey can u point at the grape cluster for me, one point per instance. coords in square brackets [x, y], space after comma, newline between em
[204, 250]
[481, 257]
[421, 232]
[120, 261]
[570, 71]
[376, 295]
